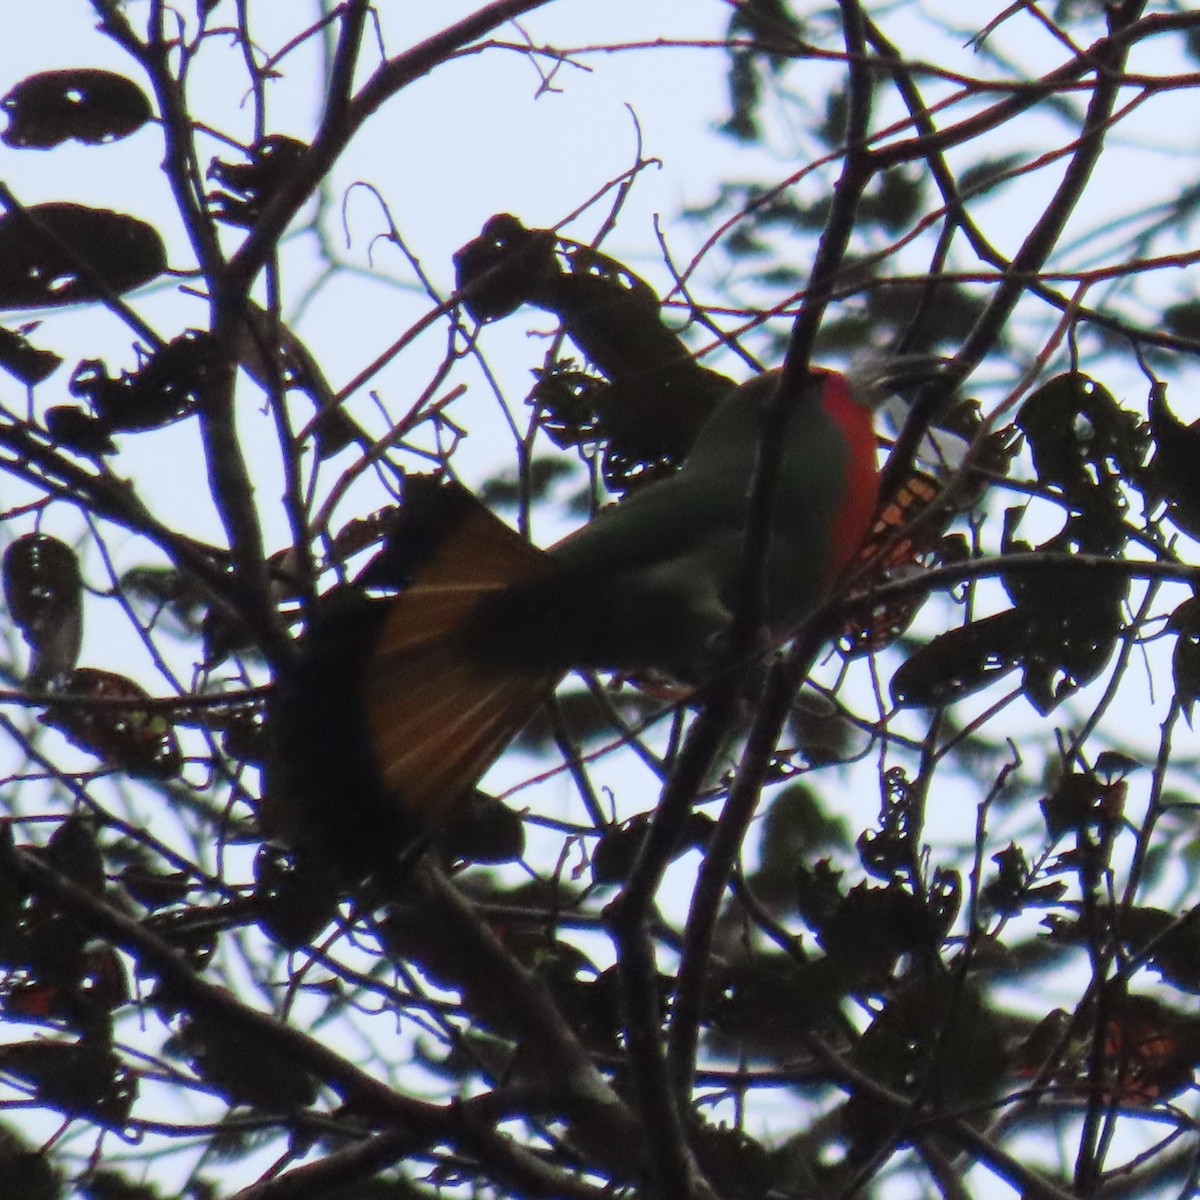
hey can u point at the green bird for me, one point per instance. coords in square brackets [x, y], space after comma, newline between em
[400, 703]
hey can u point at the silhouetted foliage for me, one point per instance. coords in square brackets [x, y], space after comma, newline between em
[909, 907]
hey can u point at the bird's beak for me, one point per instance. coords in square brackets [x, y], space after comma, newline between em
[876, 381]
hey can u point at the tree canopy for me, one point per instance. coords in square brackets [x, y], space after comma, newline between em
[903, 907]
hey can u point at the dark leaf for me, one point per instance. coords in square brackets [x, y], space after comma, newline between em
[1061, 634]
[984, 175]
[891, 851]
[483, 830]
[823, 733]
[617, 850]
[743, 242]
[772, 1006]
[248, 187]
[333, 430]
[504, 267]
[244, 737]
[1150, 1050]
[586, 718]
[79, 431]
[734, 1163]
[818, 892]
[553, 959]
[168, 386]
[1009, 891]
[744, 91]
[85, 104]
[795, 829]
[934, 1037]
[222, 635]
[55, 254]
[296, 896]
[507, 489]
[43, 590]
[73, 851]
[1081, 800]
[944, 900]
[42, 583]
[80, 1079]
[657, 395]
[1113, 765]
[26, 1168]
[155, 889]
[895, 201]
[25, 361]
[126, 732]
[773, 23]
[832, 130]
[781, 277]
[593, 1007]
[36, 940]
[1003, 893]
[245, 1070]
[870, 930]
[567, 401]
[1170, 942]
[1083, 445]
[1183, 319]
[197, 943]
[472, 1052]
[1072, 617]
[948, 310]
[109, 1184]
[1185, 666]
[163, 594]
[1176, 465]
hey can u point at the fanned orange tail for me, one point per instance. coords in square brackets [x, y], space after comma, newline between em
[438, 716]
[389, 720]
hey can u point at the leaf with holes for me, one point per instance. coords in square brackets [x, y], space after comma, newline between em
[114, 720]
[168, 386]
[84, 104]
[1083, 446]
[43, 590]
[247, 188]
[81, 1079]
[56, 254]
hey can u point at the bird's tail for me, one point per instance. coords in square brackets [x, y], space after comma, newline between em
[438, 714]
[388, 720]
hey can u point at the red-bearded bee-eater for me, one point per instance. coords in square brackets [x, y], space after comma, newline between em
[399, 704]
